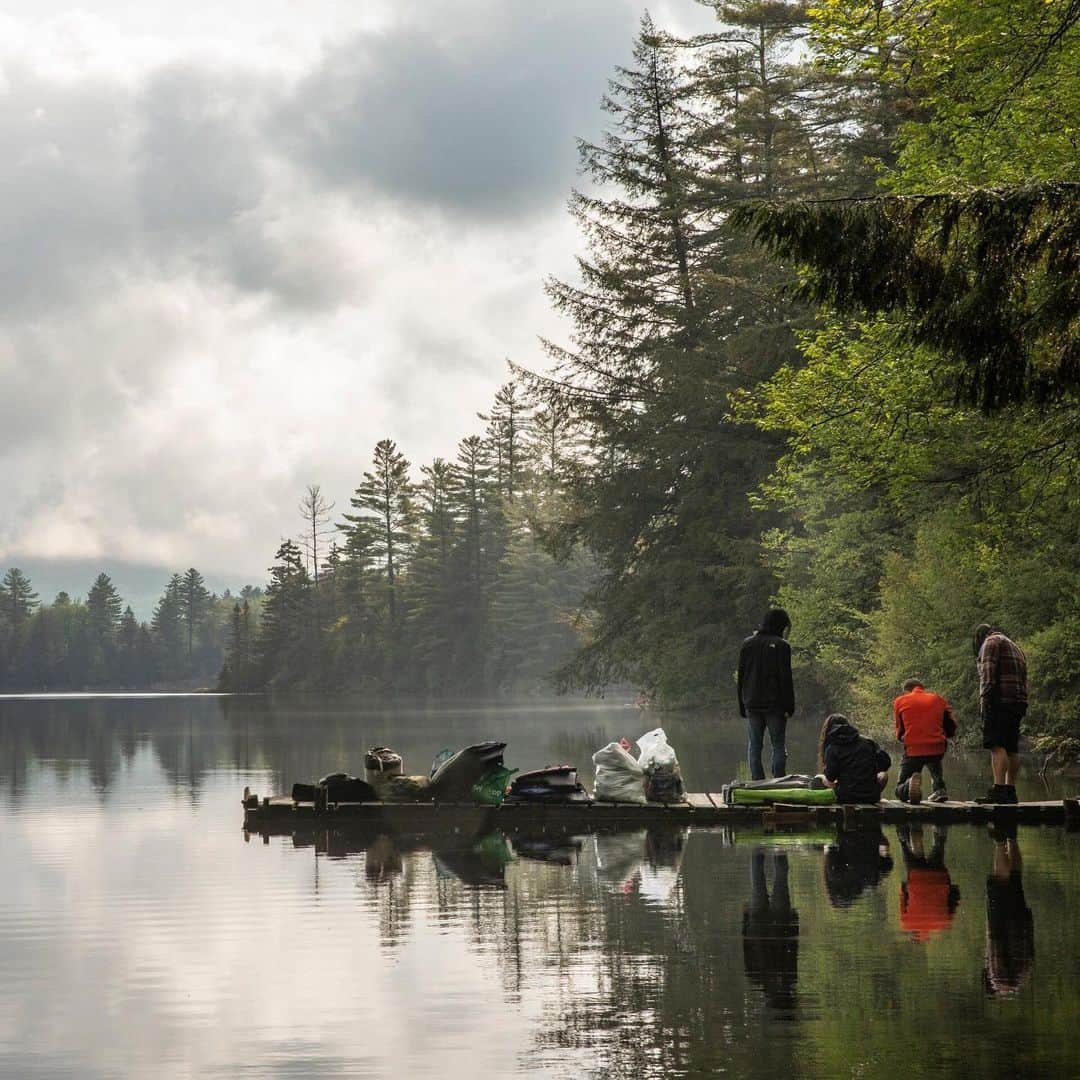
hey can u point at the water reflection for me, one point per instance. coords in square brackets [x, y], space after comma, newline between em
[1010, 926]
[856, 861]
[928, 897]
[140, 935]
[771, 931]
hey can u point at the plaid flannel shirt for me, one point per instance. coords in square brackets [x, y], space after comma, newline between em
[1002, 673]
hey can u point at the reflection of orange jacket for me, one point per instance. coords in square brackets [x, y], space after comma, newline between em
[925, 902]
[922, 720]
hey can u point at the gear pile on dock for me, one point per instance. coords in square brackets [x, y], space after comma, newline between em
[473, 786]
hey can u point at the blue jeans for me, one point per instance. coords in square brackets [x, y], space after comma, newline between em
[757, 720]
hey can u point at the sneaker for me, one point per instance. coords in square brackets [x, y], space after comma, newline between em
[914, 789]
[939, 796]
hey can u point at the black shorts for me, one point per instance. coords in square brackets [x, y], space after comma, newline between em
[1001, 727]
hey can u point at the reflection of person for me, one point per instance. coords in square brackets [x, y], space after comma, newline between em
[382, 860]
[1003, 701]
[855, 767]
[928, 898]
[924, 723]
[859, 860]
[771, 933]
[1010, 928]
[766, 692]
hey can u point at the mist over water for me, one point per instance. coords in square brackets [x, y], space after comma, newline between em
[143, 933]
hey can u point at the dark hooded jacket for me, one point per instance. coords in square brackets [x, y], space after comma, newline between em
[765, 668]
[852, 763]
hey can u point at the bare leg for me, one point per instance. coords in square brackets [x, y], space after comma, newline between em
[1013, 769]
[999, 765]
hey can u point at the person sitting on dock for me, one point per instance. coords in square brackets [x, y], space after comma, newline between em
[855, 767]
[924, 724]
[765, 691]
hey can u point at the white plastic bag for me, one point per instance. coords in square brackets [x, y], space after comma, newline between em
[619, 777]
[655, 750]
[662, 777]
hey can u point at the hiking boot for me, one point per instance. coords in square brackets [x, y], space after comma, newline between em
[998, 793]
[1009, 794]
[914, 789]
[939, 796]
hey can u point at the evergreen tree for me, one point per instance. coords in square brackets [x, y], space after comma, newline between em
[674, 315]
[507, 422]
[285, 632]
[237, 674]
[17, 599]
[431, 577]
[127, 642]
[167, 625]
[194, 605]
[103, 605]
[384, 505]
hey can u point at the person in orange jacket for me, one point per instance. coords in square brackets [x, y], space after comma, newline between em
[924, 724]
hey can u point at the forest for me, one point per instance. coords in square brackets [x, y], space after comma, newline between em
[99, 644]
[822, 350]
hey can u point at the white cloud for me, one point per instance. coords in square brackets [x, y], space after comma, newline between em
[240, 243]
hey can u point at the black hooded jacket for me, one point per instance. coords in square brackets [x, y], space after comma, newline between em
[765, 671]
[852, 763]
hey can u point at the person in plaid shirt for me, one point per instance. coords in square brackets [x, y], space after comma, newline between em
[1003, 700]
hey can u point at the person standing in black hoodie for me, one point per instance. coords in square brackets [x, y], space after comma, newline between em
[854, 766]
[766, 692]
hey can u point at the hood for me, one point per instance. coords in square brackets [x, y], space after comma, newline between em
[841, 732]
[776, 621]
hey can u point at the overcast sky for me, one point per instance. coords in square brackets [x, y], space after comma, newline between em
[241, 241]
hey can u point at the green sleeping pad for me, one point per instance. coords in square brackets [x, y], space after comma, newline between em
[799, 796]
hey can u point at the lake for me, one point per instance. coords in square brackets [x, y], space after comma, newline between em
[143, 934]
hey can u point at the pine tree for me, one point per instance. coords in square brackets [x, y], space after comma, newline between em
[431, 578]
[103, 605]
[168, 628]
[286, 638]
[507, 422]
[127, 641]
[194, 605]
[384, 518]
[675, 314]
[18, 600]
[237, 674]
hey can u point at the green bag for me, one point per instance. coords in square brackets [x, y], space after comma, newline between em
[490, 789]
[798, 796]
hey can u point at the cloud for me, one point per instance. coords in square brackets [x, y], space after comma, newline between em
[227, 269]
[474, 111]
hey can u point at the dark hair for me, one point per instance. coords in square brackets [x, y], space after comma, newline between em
[982, 632]
[910, 684]
[776, 621]
[832, 721]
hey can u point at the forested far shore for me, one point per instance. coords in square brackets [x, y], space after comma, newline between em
[97, 643]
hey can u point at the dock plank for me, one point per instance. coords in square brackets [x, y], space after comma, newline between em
[699, 809]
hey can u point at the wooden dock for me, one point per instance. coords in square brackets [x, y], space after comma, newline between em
[281, 815]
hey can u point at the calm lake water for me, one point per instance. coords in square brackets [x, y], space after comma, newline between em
[142, 934]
